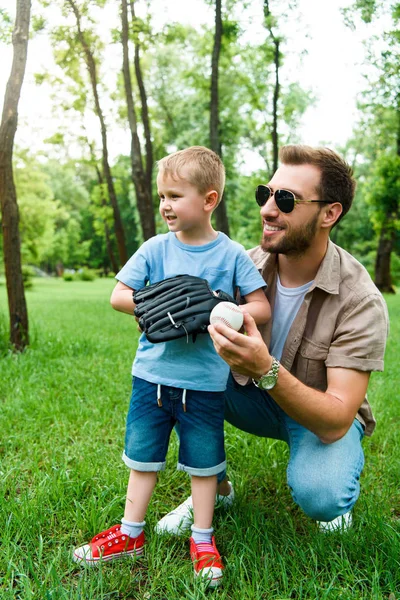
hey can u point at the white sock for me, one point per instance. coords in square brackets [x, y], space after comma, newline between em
[132, 528]
[202, 535]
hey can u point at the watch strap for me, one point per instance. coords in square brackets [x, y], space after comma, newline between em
[271, 376]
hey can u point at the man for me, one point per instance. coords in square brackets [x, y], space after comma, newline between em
[303, 377]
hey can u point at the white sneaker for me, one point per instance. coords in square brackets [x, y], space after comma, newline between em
[341, 523]
[179, 520]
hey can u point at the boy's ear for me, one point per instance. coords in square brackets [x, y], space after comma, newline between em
[211, 200]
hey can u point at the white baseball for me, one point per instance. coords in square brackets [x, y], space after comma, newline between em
[227, 313]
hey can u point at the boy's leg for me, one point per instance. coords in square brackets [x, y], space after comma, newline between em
[206, 560]
[122, 541]
[146, 442]
[201, 451]
[247, 409]
[204, 490]
[140, 488]
[312, 466]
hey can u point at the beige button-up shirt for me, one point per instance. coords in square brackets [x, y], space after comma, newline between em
[343, 322]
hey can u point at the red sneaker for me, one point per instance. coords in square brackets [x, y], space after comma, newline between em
[207, 561]
[109, 545]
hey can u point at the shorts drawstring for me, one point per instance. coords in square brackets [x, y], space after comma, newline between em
[159, 395]
[159, 402]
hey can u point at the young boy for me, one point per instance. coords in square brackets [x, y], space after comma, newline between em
[179, 381]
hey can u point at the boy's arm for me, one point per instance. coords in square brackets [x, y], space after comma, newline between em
[258, 306]
[121, 298]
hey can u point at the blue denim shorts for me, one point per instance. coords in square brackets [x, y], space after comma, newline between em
[149, 426]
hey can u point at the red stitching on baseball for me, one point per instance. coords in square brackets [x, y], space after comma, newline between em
[221, 319]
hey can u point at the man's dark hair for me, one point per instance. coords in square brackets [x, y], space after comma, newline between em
[337, 183]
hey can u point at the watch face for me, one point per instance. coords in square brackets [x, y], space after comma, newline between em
[267, 382]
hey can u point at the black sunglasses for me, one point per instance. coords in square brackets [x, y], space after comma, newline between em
[284, 199]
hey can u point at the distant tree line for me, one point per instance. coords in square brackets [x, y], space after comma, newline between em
[182, 86]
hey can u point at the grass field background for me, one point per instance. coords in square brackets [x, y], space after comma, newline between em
[62, 419]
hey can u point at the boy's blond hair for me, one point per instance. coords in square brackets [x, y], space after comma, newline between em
[206, 171]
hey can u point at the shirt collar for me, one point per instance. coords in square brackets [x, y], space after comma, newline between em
[328, 274]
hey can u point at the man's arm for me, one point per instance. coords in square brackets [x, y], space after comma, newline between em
[121, 298]
[328, 414]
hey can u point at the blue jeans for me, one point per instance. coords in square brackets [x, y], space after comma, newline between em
[149, 426]
[323, 478]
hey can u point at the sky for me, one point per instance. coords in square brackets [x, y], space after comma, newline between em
[332, 69]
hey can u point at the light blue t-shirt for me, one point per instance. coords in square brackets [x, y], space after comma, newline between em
[226, 266]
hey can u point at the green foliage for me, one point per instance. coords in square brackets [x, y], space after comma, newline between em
[86, 274]
[27, 276]
[38, 209]
[68, 276]
[38, 23]
[384, 192]
[6, 26]
[376, 142]
[176, 64]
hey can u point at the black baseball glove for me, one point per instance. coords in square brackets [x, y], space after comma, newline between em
[176, 307]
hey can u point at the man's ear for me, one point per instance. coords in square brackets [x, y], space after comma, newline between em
[331, 214]
[211, 200]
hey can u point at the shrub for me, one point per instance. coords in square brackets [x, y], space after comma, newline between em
[86, 274]
[27, 275]
[68, 276]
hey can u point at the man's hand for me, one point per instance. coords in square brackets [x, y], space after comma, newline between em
[245, 354]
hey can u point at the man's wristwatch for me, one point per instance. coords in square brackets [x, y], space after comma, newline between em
[268, 381]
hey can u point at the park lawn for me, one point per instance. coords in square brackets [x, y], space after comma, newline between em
[63, 407]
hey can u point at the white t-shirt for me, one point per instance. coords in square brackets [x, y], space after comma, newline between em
[287, 303]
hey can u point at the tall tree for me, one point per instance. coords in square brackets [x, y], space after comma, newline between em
[269, 24]
[19, 328]
[383, 193]
[143, 98]
[221, 216]
[141, 179]
[104, 203]
[382, 105]
[92, 70]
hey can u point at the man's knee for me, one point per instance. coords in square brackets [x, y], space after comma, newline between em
[324, 497]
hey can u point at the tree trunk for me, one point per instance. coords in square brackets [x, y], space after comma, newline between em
[143, 197]
[275, 100]
[221, 216]
[383, 280]
[91, 65]
[19, 330]
[145, 110]
[398, 125]
[104, 203]
[110, 251]
[274, 132]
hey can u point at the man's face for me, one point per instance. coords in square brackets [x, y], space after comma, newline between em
[292, 233]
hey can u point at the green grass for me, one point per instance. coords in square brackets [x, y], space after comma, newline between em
[62, 417]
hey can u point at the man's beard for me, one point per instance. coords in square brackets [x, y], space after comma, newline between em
[295, 241]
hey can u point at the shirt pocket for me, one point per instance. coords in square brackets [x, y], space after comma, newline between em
[219, 279]
[311, 369]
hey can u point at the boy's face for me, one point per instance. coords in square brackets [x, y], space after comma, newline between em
[182, 206]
